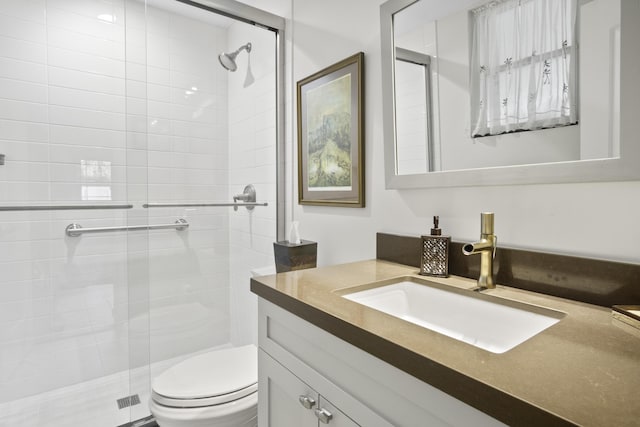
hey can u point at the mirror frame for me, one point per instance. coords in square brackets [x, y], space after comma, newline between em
[624, 168]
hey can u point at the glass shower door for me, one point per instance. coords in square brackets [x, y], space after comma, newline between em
[65, 297]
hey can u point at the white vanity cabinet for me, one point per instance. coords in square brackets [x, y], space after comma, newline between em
[298, 360]
[291, 402]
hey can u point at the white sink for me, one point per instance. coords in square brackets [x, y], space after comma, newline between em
[493, 324]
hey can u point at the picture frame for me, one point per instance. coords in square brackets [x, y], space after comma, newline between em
[330, 106]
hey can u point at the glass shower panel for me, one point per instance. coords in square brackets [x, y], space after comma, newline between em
[188, 153]
[64, 300]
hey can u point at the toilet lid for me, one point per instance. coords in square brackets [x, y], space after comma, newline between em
[211, 374]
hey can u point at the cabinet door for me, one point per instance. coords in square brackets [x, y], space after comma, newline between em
[329, 414]
[283, 399]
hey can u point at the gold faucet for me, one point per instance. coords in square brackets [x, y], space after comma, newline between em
[486, 247]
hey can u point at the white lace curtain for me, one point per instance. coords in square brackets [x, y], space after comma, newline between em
[523, 66]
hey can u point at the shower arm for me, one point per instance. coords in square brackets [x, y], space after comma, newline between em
[246, 47]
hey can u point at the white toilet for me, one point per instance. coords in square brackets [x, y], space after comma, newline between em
[214, 389]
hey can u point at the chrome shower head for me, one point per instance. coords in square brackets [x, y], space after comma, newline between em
[228, 60]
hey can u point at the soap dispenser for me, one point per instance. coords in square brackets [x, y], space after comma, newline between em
[434, 260]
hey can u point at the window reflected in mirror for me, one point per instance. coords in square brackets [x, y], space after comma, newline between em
[534, 81]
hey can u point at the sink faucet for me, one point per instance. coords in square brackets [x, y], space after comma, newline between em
[486, 247]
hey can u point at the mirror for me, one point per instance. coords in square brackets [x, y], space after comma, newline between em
[444, 126]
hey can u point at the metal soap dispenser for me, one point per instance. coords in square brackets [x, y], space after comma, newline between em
[434, 260]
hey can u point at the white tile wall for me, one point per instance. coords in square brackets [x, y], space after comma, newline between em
[133, 111]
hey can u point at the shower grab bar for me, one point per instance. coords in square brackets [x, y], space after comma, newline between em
[60, 207]
[75, 230]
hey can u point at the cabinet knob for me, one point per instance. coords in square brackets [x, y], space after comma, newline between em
[306, 401]
[323, 415]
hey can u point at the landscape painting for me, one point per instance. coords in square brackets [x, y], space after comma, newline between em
[330, 135]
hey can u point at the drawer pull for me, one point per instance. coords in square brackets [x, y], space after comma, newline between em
[323, 415]
[306, 401]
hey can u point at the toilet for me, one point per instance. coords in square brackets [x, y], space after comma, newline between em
[214, 389]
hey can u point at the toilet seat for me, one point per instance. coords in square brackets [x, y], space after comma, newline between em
[209, 379]
[205, 401]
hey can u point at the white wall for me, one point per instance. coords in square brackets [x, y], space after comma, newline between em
[590, 219]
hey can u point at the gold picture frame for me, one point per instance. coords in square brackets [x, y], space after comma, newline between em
[331, 135]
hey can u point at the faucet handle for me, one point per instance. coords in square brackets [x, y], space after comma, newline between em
[486, 223]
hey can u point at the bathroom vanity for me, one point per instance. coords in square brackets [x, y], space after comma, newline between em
[325, 358]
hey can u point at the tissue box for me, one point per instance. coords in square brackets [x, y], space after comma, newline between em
[291, 256]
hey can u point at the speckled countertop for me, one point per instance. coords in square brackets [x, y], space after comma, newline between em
[583, 370]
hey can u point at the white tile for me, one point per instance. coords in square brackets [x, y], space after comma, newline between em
[87, 25]
[87, 137]
[90, 8]
[197, 114]
[69, 59]
[24, 250]
[29, 10]
[24, 191]
[19, 413]
[18, 291]
[136, 50]
[16, 171]
[158, 22]
[22, 91]
[23, 111]
[137, 141]
[159, 142]
[23, 229]
[64, 77]
[71, 40]
[23, 271]
[23, 50]
[20, 151]
[24, 131]
[136, 72]
[158, 76]
[161, 110]
[86, 100]
[136, 89]
[22, 29]
[88, 172]
[195, 96]
[66, 192]
[158, 51]
[154, 125]
[195, 130]
[190, 30]
[21, 70]
[24, 309]
[187, 81]
[84, 118]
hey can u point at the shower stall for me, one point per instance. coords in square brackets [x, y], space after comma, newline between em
[140, 183]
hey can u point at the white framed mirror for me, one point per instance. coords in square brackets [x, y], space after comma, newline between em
[441, 138]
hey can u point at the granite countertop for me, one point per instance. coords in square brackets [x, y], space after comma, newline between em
[583, 370]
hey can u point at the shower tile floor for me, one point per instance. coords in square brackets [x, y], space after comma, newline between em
[91, 403]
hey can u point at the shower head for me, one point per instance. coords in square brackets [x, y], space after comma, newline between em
[228, 60]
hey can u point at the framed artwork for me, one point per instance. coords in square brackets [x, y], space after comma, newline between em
[331, 135]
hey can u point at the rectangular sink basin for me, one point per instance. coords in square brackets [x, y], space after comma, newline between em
[491, 323]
